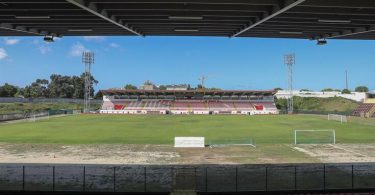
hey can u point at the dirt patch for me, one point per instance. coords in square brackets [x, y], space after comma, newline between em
[88, 154]
[148, 154]
[339, 153]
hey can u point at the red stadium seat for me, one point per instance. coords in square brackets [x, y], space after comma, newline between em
[259, 107]
[119, 107]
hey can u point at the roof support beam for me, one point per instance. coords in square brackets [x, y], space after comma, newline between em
[346, 33]
[11, 27]
[92, 8]
[289, 5]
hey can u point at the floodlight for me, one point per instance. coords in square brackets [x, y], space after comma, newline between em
[335, 21]
[48, 39]
[185, 17]
[80, 30]
[33, 17]
[186, 30]
[321, 42]
[291, 32]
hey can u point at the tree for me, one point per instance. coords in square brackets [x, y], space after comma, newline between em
[281, 104]
[162, 87]
[20, 93]
[99, 95]
[361, 89]
[214, 89]
[69, 86]
[8, 90]
[39, 88]
[304, 90]
[59, 86]
[130, 87]
[148, 82]
[93, 82]
[277, 89]
[345, 91]
[330, 90]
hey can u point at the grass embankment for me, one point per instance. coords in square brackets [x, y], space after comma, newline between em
[7, 108]
[323, 105]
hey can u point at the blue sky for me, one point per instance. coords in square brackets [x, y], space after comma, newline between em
[237, 63]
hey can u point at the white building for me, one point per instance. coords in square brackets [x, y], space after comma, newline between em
[356, 96]
[148, 85]
[181, 87]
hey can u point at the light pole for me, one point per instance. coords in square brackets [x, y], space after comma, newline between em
[87, 60]
[289, 60]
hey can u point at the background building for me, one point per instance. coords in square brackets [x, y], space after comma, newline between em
[356, 96]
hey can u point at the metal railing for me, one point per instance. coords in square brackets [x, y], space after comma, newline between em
[20, 116]
[199, 178]
[45, 100]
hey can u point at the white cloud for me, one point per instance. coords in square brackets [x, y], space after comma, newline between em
[11, 41]
[77, 50]
[94, 38]
[3, 53]
[114, 45]
[44, 49]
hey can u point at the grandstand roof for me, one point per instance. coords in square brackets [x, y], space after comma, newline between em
[307, 19]
[188, 92]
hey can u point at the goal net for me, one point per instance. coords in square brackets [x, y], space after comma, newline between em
[33, 117]
[336, 117]
[231, 142]
[315, 136]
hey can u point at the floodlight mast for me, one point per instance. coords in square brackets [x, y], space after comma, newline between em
[289, 61]
[202, 79]
[87, 60]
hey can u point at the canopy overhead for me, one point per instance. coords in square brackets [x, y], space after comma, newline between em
[306, 19]
[188, 92]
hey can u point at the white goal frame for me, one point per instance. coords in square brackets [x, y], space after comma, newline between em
[322, 130]
[32, 118]
[337, 117]
[232, 142]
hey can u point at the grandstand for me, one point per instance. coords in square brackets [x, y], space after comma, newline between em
[188, 102]
[367, 108]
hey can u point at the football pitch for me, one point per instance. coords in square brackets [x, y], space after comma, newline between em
[148, 139]
[161, 130]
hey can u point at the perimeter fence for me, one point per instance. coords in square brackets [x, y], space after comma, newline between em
[197, 178]
[45, 100]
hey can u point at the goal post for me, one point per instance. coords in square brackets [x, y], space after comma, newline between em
[324, 136]
[231, 142]
[337, 117]
[32, 118]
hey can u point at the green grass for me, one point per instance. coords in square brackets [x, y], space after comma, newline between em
[322, 105]
[125, 129]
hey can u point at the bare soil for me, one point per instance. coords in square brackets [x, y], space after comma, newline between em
[165, 154]
[339, 152]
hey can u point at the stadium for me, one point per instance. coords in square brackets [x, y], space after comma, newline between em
[188, 102]
[57, 136]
